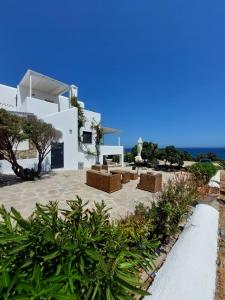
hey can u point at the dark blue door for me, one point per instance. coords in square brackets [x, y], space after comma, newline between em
[57, 155]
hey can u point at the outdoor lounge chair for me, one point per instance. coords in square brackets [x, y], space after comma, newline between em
[150, 182]
[133, 175]
[124, 175]
[103, 181]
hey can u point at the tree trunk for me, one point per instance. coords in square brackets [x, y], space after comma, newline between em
[97, 154]
[25, 174]
[39, 167]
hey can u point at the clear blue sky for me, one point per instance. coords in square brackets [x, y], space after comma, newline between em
[154, 69]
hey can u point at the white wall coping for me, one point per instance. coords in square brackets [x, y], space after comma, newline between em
[189, 272]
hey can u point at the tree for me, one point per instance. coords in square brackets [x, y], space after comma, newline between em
[149, 151]
[128, 157]
[171, 155]
[186, 156]
[11, 134]
[208, 155]
[14, 130]
[42, 136]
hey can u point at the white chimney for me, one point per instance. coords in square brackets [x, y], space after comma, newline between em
[73, 91]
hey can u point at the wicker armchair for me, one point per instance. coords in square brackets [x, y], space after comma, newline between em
[124, 175]
[133, 175]
[104, 181]
[150, 182]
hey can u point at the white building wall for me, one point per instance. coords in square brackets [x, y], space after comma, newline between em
[83, 158]
[62, 117]
[66, 122]
[7, 97]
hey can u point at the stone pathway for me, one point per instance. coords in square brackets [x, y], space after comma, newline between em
[65, 185]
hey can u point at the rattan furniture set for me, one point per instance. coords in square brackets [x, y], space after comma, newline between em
[110, 181]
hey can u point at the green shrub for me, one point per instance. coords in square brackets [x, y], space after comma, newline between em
[116, 158]
[70, 254]
[172, 204]
[203, 172]
[167, 211]
[129, 157]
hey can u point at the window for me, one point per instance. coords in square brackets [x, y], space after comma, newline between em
[87, 137]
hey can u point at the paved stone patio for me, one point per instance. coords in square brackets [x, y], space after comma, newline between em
[65, 185]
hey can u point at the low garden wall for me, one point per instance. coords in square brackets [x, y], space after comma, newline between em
[189, 271]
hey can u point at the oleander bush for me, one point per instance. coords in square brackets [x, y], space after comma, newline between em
[73, 253]
[203, 172]
[163, 218]
[172, 204]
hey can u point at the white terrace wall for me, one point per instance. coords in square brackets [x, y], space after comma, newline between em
[7, 97]
[38, 107]
[189, 272]
[111, 150]
[64, 103]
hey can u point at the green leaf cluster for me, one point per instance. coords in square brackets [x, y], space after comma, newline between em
[163, 218]
[72, 253]
[149, 151]
[172, 155]
[203, 172]
[81, 117]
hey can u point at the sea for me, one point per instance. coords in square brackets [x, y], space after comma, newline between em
[220, 152]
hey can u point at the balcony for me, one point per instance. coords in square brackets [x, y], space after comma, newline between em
[39, 107]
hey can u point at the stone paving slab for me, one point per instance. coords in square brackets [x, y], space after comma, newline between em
[65, 185]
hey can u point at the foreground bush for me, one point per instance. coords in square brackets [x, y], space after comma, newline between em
[172, 204]
[163, 218]
[70, 254]
[203, 172]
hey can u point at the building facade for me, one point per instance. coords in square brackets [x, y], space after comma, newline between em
[49, 100]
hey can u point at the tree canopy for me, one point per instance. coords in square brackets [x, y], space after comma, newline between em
[149, 151]
[171, 155]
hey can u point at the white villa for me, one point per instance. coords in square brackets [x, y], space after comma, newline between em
[49, 100]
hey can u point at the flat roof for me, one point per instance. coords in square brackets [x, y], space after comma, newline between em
[44, 83]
